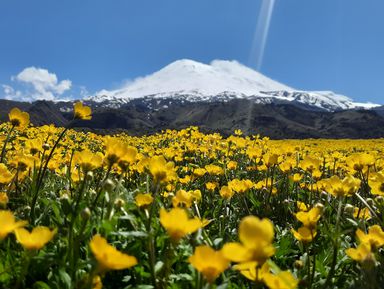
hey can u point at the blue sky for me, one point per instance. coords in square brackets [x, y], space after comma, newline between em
[87, 45]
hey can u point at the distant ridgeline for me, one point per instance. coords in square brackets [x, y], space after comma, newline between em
[277, 120]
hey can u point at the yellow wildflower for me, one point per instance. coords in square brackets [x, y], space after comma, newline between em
[5, 175]
[3, 199]
[36, 239]
[375, 236]
[282, 280]
[143, 200]
[361, 254]
[108, 257]
[87, 160]
[8, 223]
[304, 234]
[256, 236]
[161, 170]
[340, 188]
[96, 282]
[226, 192]
[214, 170]
[82, 112]
[251, 271]
[209, 262]
[310, 218]
[182, 198]
[177, 223]
[18, 118]
[363, 213]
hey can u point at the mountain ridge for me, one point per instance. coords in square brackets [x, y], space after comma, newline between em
[220, 80]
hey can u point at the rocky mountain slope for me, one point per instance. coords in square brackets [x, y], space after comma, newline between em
[276, 120]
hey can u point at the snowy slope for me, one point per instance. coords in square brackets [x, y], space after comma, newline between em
[221, 80]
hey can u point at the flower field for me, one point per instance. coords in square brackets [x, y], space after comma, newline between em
[184, 209]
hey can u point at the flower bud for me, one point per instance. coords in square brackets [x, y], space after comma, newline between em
[348, 209]
[379, 199]
[320, 206]
[85, 214]
[46, 146]
[108, 185]
[298, 264]
[324, 194]
[89, 176]
[119, 203]
[370, 202]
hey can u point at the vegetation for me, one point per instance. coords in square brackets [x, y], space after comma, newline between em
[183, 209]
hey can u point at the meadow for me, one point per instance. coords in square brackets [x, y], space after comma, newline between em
[184, 209]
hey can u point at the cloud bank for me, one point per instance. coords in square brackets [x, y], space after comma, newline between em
[34, 83]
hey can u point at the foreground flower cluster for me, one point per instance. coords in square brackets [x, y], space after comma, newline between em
[183, 209]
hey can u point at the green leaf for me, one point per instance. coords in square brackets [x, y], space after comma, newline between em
[41, 285]
[65, 278]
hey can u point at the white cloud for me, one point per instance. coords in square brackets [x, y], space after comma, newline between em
[44, 84]
[10, 93]
[84, 92]
[34, 83]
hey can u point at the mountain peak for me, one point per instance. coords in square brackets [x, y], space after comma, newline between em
[195, 81]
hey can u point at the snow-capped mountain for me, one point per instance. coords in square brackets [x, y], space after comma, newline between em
[219, 81]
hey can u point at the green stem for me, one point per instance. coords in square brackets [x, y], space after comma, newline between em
[5, 144]
[40, 179]
[24, 270]
[335, 247]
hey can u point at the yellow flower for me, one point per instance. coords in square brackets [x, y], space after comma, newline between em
[196, 195]
[256, 236]
[240, 186]
[96, 282]
[34, 146]
[36, 239]
[302, 206]
[3, 199]
[177, 223]
[304, 234]
[161, 170]
[182, 198]
[359, 161]
[108, 257]
[251, 271]
[5, 175]
[340, 188]
[24, 162]
[231, 165]
[128, 158]
[310, 164]
[282, 280]
[296, 178]
[82, 112]
[18, 118]
[310, 218]
[214, 170]
[199, 172]
[377, 184]
[226, 192]
[375, 236]
[364, 213]
[270, 159]
[87, 160]
[361, 254]
[8, 223]
[115, 150]
[209, 262]
[211, 186]
[143, 200]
